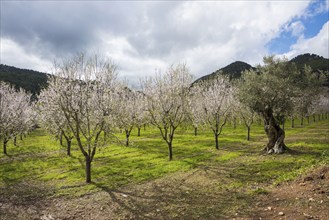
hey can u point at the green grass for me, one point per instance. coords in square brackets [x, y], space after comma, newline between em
[39, 159]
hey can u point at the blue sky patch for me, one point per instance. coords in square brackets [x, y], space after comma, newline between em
[316, 15]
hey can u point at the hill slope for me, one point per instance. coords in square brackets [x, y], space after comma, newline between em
[314, 61]
[29, 80]
[234, 70]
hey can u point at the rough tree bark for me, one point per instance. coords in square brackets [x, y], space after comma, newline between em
[274, 134]
[195, 131]
[127, 132]
[88, 169]
[61, 138]
[5, 147]
[68, 150]
[138, 131]
[216, 141]
[248, 135]
[170, 149]
[283, 122]
[15, 141]
[68, 141]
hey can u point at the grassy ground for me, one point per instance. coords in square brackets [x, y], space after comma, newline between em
[38, 169]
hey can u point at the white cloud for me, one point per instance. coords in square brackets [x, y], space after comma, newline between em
[14, 55]
[147, 35]
[296, 28]
[318, 45]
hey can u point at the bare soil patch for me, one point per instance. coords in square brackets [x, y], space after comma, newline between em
[305, 198]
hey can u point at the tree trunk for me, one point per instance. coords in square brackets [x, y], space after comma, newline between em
[68, 149]
[313, 118]
[308, 120]
[15, 141]
[61, 138]
[283, 122]
[234, 123]
[127, 137]
[319, 117]
[274, 134]
[302, 121]
[248, 135]
[195, 131]
[127, 141]
[88, 170]
[216, 141]
[139, 132]
[5, 147]
[68, 142]
[170, 150]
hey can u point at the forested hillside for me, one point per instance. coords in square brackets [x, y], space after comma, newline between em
[234, 70]
[29, 80]
[314, 61]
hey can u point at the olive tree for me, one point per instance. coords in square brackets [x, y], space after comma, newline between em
[84, 90]
[270, 90]
[213, 101]
[166, 96]
[308, 95]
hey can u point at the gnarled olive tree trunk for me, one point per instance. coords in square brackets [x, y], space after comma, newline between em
[274, 134]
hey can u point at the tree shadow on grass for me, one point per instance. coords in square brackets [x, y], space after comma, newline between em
[23, 200]
[176, 197]
[128, 202]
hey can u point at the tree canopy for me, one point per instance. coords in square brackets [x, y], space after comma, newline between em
[272, 90]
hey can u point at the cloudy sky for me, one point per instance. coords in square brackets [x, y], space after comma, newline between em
[147, 35]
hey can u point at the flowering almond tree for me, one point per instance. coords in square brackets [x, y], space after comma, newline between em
[248, 117]
[213, 103]
[167, 101]
[53, 119]
[195, 111]
[84, 91]
[323, 105]
[130, 111]
[16, 113]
